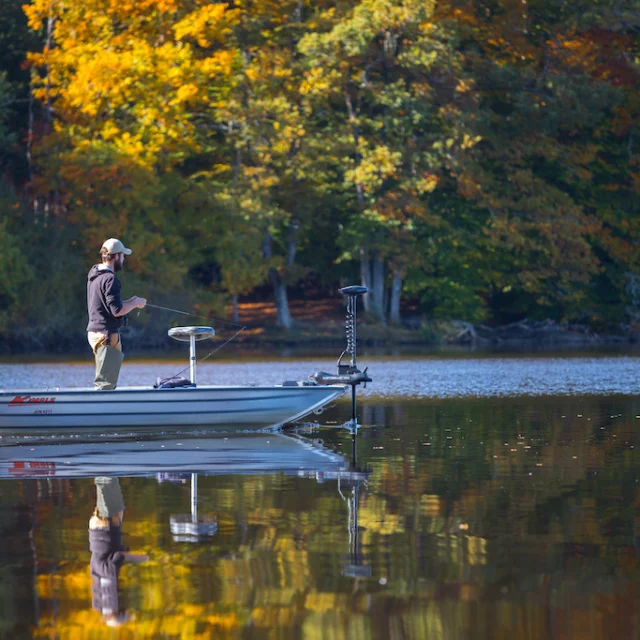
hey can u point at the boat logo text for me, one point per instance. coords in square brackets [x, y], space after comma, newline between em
[20, 400]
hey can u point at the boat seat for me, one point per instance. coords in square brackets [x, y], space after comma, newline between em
[184, 334]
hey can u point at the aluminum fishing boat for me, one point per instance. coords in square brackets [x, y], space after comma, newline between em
[257, 407]
[180, 402]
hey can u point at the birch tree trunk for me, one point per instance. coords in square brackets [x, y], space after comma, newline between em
[283, 316]
[48, 113]
[365, 276]
[394, 303]
[377, 297]
[30, 130]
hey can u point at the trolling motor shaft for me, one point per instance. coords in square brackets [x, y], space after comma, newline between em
[352, 294]
[348, 373]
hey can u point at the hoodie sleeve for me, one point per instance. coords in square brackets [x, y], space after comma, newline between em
[112, 294]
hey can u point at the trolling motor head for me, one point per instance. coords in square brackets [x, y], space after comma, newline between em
[347, 373]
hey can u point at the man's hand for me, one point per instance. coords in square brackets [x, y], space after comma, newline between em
[132, 303]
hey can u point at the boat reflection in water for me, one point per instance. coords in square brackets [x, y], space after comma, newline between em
[233, 454]
[179, 461]
[349, 481]
[190, 527]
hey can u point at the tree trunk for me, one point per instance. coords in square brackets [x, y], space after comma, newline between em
[236, 312]
[365, 276]
[385, 301]
[30, 130]
[366, 270]
[394, 304]
[283, 316]
[377, 299]
[49, 104]
[292, 242]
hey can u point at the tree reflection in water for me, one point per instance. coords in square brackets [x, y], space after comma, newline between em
[479, 519]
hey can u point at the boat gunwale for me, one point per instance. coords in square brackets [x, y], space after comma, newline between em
[163, 401]
[130, 390]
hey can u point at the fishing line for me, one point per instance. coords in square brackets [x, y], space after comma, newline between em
[186, 313]
[211, 352]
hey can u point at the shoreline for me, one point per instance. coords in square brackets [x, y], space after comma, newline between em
[279, 347]
[320, 326]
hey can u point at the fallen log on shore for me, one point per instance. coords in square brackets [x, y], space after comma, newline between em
[536, 333]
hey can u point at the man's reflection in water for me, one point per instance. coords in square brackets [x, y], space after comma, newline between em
[107, 551]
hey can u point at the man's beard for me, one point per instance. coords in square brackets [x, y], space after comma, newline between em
[118, 264]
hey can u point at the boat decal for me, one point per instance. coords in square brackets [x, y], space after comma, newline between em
[22, 400]
[25, 468]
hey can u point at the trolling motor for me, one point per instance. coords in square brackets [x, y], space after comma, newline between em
[347, 373]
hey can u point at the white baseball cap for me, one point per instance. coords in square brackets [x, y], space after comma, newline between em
[113, 245]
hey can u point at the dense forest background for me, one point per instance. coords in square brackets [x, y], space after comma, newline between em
[476, 160]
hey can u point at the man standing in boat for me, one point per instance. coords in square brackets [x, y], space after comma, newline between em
[107, 313]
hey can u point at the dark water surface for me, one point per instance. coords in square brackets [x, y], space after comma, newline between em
[467, 518]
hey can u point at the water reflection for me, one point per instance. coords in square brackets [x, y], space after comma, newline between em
[88, 455]
[191, 527]
[455, 520]
[108, 554]
[349, 482]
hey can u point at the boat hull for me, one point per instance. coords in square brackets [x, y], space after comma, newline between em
[207, 406]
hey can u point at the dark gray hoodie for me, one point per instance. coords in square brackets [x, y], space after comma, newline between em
[103, 300]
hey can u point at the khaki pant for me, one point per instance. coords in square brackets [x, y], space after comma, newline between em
[109, 357]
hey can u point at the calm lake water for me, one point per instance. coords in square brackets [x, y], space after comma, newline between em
[393, 377]
[481, 498]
